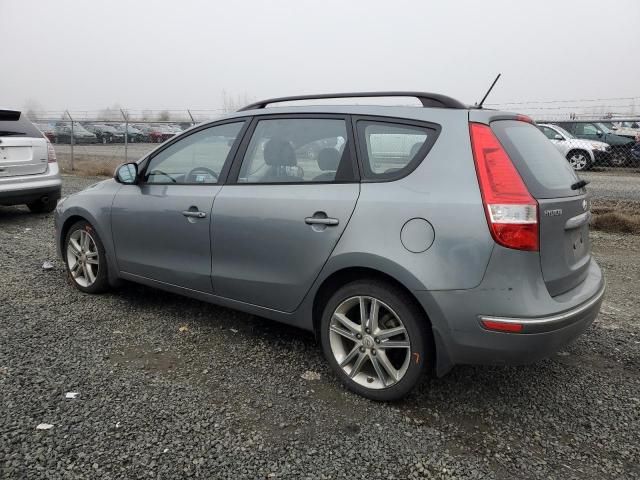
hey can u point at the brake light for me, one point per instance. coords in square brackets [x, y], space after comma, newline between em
[512, 213]
[51, 153]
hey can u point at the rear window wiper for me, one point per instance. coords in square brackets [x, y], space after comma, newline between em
[7, 133]
[579, 184]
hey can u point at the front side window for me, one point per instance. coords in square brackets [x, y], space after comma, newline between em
[392, 149]
[195, 159]
[586, 129]
[298, 150]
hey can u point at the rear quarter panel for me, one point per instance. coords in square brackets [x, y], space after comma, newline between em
[443, 190]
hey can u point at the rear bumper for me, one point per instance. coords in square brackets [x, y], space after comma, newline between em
[585, 312]
[549, 323]
[30, 188]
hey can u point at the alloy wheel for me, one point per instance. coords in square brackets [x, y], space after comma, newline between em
[369, 342]
[83, 258]
[578, 161]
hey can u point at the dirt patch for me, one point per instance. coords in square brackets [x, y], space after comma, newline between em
[616, 216]
[89, 166]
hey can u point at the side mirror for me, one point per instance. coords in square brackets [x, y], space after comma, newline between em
[557, 136]
[127, 173]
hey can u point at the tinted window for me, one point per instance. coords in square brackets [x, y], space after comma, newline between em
[391, 148]
[545, 171]
[195, 159]
[16, 124]
[297, 150]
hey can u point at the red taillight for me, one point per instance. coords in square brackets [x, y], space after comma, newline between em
[51, 153]
[502, 326]
[512, 213]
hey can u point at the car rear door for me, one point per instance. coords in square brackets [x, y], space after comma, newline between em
[161, 226]
[563, 212]
[23, 148]
[291, 193]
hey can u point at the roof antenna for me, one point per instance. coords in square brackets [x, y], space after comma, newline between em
[479, 105]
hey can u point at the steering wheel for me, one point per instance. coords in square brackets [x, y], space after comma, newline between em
[160, 172]
[206, 170]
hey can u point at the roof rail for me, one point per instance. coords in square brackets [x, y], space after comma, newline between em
[427, 99]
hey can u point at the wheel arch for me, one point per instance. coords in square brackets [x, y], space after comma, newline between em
[346, 275]
[76, 215]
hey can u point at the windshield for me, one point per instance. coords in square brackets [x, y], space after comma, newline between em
[603, 127]
[563, 132]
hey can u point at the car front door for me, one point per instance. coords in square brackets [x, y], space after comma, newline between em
[588, 131]
[290, 195]
[161, 226]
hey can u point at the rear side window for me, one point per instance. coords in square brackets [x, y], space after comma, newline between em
[16, 124]
[298, 150]
[545, 171]
[392, 150]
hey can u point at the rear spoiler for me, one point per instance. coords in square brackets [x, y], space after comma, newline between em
[9, 115]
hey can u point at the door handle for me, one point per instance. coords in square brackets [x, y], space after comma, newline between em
[321, 221]
[189, 213]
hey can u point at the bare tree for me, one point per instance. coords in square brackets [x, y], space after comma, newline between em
[231, 103]
[32, 108]
[164, 116]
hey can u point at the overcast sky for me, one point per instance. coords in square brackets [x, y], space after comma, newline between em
[156, 54]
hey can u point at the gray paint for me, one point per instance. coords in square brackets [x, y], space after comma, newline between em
[254, 252]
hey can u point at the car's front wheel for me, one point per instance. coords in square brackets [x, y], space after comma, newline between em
[376, 339]
[86, 262]
[578, 159]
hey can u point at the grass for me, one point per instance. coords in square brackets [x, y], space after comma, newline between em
[616, 216]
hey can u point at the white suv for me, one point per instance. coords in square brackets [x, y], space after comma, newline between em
[29, 173]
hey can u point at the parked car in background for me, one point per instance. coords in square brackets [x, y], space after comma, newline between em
[620, 146]
[63, 134]
[622, 130]
[429, 236]
[155, 133]
[29, 172]
[105, 133]
[581, 154]
[133, 134]
[47, 129]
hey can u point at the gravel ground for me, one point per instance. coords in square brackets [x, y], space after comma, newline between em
[614, 184]
[170, 387]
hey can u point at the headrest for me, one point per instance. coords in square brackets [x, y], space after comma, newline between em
[279, 153]
[328, 159]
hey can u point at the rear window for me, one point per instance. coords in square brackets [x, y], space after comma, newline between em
[15, 124]
[545, 171]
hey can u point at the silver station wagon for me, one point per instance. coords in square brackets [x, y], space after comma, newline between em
[407, 238]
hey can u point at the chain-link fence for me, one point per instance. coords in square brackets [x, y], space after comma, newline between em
[95, 142]
[601, 133]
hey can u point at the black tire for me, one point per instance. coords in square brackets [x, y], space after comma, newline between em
[417, 329]
[43, 207]
[101, 283]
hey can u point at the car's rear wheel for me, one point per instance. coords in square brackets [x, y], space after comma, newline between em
[85, 258]
[376, 339]
[43, 206]
[578, 159]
